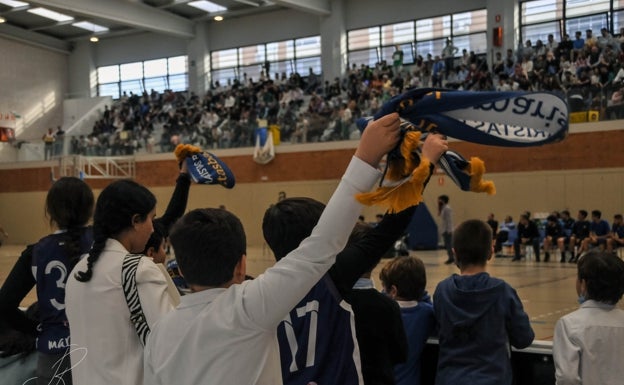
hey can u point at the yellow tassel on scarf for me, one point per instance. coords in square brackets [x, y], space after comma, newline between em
[476, 169]
[183, 151]
[400, 196]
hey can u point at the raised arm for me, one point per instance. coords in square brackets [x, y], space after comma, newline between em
[269, 297]
[178, 201]
[358, 258]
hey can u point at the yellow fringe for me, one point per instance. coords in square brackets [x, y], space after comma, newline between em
[476, 169]
[398, 198]
[401, 168]
[182, 151]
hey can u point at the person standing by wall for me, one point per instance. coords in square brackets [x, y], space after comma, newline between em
[446, 215]
[397, 60]
[48, 142]
[448, 53]
[59, 141]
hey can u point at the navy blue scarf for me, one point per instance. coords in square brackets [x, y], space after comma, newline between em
[509, 119]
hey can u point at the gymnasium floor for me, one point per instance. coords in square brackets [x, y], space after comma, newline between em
[547, 290]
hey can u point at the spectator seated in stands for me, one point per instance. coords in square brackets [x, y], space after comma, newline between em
[567, 67]
[615, 106]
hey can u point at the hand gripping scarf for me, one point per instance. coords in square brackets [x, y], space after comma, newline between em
[204, 167]
[508, 119]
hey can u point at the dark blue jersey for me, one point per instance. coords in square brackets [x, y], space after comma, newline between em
[50, 268]
[553, 230]
[317, 340]
[581, 229]
[600, 228]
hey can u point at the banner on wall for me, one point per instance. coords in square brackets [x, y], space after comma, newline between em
[7, 127]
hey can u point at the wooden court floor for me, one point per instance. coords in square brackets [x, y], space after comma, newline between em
[547, 290]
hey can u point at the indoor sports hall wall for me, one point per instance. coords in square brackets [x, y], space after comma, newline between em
[33, 84]
[568, 175]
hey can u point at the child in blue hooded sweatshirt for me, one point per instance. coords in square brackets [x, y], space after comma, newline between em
[478, 316]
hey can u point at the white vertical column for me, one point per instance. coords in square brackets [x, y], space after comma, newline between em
[504, 14]
[199, 60]
[82, 71]
[334, 41]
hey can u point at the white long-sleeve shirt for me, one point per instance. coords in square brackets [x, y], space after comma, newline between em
[105, 347]
[447, 219]
[228, 336]
[587, 346]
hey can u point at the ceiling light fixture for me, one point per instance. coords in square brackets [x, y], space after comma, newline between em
[14, 4]
[94, 39]
[207, 6]
[95, 28]
[2, 20]
[218, 18]
[49, 14]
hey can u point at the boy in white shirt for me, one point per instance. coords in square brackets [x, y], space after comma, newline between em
[224, 332]
[587, 346]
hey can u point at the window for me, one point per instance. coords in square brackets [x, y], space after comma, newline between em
[476, 42]
[470, 22]
[363, 38]
[251, 55]
[108, 74]
[280, 50]
[286, 66]
[542, 17]
[134, 86]
[110, 89]
[436, 27]
[223, 76]
[177, 65]
[368, 57]
[310, 46]
[159, 75]
[285, 56]
[131, 71]
[541, 10]
[225, 58]
[418, 37]
[397, 33]
[540, 32]
[618, 21]
[252, 72]
[594, 22]
[304, 65]
[153, 68]
[433, 47]
[585, 7]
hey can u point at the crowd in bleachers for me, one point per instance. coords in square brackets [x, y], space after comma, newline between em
[588, 71]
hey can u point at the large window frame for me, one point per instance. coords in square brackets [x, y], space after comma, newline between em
[285, 56]
[170, 73]
[568, 17]
[374, 44]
